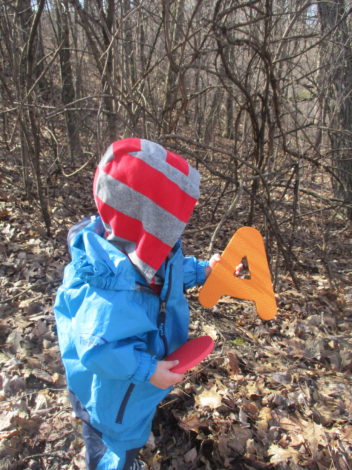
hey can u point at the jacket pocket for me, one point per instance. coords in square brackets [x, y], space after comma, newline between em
[125, 400]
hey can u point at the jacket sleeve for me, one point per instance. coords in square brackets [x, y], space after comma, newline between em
[110, 333]
[194, 271]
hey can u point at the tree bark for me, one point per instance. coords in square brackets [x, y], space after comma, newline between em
[67, 85]
[336, 57]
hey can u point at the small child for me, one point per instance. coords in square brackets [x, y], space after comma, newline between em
[121, 308]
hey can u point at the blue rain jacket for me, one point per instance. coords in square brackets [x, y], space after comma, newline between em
[113, 329]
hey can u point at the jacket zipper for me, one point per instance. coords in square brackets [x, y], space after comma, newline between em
[161, 326]
[124, 402]
[145, 289]
[162, 314]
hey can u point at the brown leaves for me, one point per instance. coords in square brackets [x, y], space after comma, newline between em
[274, 395]
[34, 420]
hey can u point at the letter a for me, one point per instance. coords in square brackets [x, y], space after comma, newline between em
[246, 242]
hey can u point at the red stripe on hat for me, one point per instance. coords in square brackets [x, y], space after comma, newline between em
[132, 144]
[119, 148]
[143, 178]
[177, 162]
[149, 248]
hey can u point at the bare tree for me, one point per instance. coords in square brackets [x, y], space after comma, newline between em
[237, 82]
[23, 85]
[336, 83]
[67, 83]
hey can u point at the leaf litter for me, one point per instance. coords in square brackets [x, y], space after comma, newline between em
[274, 395]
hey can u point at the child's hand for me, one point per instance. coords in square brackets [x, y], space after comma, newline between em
[215, 259]
[238, 270]
[212, 262]
[163, 377]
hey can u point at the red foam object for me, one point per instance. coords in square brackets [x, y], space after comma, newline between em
[191, 353]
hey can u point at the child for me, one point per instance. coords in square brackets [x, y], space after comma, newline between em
[121, 308]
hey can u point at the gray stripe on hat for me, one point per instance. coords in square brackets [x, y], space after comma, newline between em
[147, 270]
[108, 156]
[157, 221]
[155, 155]
[129, 248]
[122, 244]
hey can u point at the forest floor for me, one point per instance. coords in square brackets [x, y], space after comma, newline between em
[272, 395]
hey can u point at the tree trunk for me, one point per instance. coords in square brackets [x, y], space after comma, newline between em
[337, 83]
[28, 116]
[173, 17]
[67, 86]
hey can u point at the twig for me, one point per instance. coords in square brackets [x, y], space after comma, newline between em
[23, 292]
[222, 221]
[79, 169]
[46, 454]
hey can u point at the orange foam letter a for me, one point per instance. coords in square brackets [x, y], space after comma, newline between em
[246, 242]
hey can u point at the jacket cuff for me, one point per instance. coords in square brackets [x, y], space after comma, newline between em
[201, 272]
[146, 368]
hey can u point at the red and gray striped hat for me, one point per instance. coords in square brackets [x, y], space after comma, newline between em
[145, 196]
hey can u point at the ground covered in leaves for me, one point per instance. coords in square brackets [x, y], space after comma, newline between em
[272, 395]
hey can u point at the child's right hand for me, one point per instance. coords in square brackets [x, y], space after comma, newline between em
[163, 377]
[215, 259]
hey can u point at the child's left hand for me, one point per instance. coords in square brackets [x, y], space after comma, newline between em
[163, 377]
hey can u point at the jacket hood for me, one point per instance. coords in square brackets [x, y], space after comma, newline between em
[97, 261]
[145, 196]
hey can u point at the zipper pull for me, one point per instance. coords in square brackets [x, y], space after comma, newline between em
[162, 314]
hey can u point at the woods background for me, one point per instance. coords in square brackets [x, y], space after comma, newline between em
[258, 95]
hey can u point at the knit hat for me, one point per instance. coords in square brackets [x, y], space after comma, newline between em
[145, 196]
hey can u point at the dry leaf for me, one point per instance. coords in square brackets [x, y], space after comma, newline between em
[210, 398]
[191, 422]
[211, 331]
[239, 443]
[5, 420]
[278, 455]
[4, 214]
[191, 455]
[264, 419]
[43, 375]
[315, 436]
[234, 363]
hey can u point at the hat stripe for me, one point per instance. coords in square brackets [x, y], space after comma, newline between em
[157, 157]
[120, 147]
[177, 162]
[150, 249]
[120, 197]
[153, 184]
